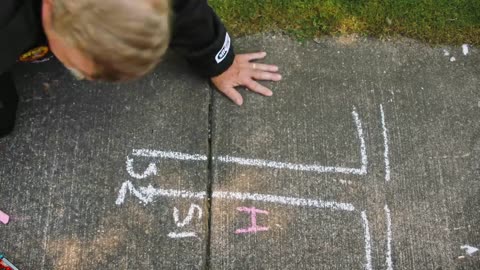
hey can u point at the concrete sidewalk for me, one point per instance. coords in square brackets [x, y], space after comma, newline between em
[366, 157]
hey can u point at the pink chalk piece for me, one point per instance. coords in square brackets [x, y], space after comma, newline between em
[4, 218]
[253, 220]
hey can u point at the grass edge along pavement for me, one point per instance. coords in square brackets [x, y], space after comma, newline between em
[433, 21]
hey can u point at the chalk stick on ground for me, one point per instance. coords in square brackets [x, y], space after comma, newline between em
[4, 218]
[465, 49]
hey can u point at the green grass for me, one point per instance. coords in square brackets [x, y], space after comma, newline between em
[433, 21]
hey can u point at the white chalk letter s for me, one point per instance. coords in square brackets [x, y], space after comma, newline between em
[189, 217]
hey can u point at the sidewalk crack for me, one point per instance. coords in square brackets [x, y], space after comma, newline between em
[210, 177]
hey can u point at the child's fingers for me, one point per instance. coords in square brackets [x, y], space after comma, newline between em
[258, 88]
[254, 56]
[263, 67]
[232, 94]
[266, 76]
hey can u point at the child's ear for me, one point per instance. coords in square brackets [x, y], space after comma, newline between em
[47, 9]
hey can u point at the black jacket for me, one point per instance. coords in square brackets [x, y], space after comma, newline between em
[197, 34]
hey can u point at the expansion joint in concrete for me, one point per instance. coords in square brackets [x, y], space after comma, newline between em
[209, 178]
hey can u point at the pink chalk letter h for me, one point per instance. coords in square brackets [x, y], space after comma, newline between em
[253, 220]
[4, 218]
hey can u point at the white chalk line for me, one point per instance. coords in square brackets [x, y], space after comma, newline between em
[149, 194]
[368, 245]
[289, 166]
[385, 144]
[182, 234]
[282, 200]
[363, 147]
[388, 259]
[469, 249]
[152, 170]
[168, 155]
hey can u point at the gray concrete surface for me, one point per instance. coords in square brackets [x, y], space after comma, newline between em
[431, 111]
[64, 170]
[64, 166]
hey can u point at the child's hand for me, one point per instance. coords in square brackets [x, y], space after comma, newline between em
[244, 73]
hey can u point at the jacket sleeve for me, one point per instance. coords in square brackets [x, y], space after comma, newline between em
[200, 37]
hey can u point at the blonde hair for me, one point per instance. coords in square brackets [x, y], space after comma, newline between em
[126, 39]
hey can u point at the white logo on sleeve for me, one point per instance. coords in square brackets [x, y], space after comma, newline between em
[224, 50]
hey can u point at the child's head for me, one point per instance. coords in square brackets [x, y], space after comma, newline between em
[108, 39]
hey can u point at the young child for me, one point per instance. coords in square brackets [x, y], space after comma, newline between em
[117, 40]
